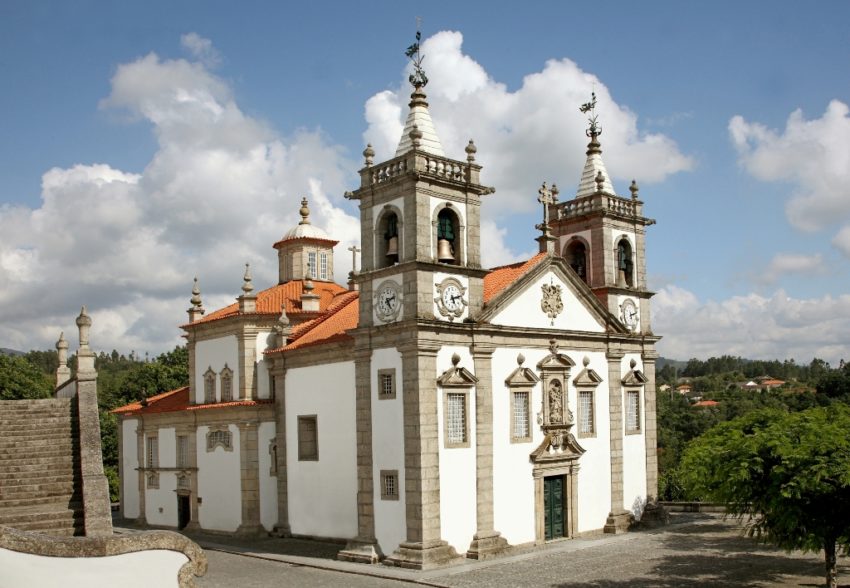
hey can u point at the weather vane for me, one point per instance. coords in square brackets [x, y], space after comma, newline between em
[595, 129]
[418, 77]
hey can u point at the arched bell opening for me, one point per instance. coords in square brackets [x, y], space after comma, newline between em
[576, 255]
[388, 239]
[625, 264]
[448, 237]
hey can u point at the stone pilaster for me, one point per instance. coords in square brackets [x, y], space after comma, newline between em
[364, 548]
[618, 518]
[96, 504]
[140, 459]
[249, 460]
[424, 548]
[190, 347]
[282, 528]
[192, 434]
[487, 542]
[650, 426]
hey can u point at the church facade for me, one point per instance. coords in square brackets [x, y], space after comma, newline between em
[432, 409]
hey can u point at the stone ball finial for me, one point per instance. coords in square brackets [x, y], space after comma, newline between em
[304, 211]
[369, 154]
[247, 286]
[471, 150]
[196, 294]
[586, 361]
[61, 343]
[632, 363]
[283, 319]
[415, 136]
[633, 188]
[555, 191]
[553, 346]
[600, 181]
[520, 359]
[84, 325]
[455, 359]
[308, 282]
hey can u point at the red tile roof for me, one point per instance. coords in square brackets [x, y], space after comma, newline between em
[342, 315]
[270, 300]
[500, 278]
[177, 400]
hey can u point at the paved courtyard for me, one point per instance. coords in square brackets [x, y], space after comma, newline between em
[695, 550]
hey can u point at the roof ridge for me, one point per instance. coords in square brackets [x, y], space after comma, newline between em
[333, 308]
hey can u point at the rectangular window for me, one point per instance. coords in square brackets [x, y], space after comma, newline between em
[323, 266]
[226, 385]
[456, 435]
[632, 411]
[182, 451]
[308, 438]
[311, 263]
[386, 384]
[389, 484]
[153, 452]
[520, 426]
[209, 386]
[585, 413]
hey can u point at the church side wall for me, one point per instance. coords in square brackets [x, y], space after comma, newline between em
[215, 353]
[323, 493]
[161, 503]
[457, 464]
[130, 476]
[388, 451]
[262, 372]
[219, 483]
[268, 482]
[634, 452]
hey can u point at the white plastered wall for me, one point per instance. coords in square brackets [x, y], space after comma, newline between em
[129, 463]
[215, 353]
[323, 493]
[161, 503]
[525, 311]
[439, 277]
[262, 373]
[388, 451]
[634, 450]
[219, 483]
[268, 482]
[458, 464]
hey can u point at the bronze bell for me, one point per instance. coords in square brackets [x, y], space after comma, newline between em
[445, 252]
[392, 247]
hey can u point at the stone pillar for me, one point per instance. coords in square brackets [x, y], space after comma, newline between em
[278, 372]
[364, 548]
[487, 542]
[192, 433]
[650, 425]
[140, 459]
[249, 459]
[424, 548]
[96, 504]
[190, 346]
[247, 357]
[618, 518]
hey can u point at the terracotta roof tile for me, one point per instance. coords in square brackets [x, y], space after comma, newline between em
[270, 300]
[341, 316]
[500, 278]
[177, 400]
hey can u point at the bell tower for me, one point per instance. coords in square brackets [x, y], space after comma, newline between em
[602, 236]
[420, 224]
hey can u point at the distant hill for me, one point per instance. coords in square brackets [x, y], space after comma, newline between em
[663, 361]
[7, 351]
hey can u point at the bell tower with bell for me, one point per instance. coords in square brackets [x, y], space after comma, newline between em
[420, 224]
[602, 236]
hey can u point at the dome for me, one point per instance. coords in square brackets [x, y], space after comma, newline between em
[305, 230]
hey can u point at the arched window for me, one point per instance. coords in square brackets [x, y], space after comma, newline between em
[388, 240]
[625, 265]
[576, 256]
[226, 384]
[448, 237]
[209, 386]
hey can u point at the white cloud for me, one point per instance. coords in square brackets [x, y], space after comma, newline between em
[201, 49]
[752, 326]
[785, 264]
[841, 241]
[814, 155]
[221, 188]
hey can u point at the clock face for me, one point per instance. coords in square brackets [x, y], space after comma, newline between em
[630, 314]
[388, 300]
[450, 298]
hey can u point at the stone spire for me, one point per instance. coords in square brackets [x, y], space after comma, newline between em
[248, 300]
[197, 309]
[63, 372]
[594, 167]
[418, 127]
[85, 356]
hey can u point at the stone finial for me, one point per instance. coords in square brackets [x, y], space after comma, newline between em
[586, 361]
[247, 286]
[471, 150]
[415, 136]
[632, 363]
[84, 326]
[62, 348]
[555, 191]
[520, 359]
[600, 181]
[310, 302]
[308, 282]
[283, 319]
[553, 347]
[196, 295]
[455, 359]
[633, 188]
[369, 154]
[304, 211]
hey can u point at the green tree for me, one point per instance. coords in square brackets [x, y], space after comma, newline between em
[20, 379]
[786, 474]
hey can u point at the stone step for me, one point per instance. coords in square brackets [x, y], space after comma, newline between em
[8, 479]
[41, 431]
[58, 441]
[38, 500]
[11, 491]
[35, 404]
[26, 468]
[55, 528]
[13, 517]
[44, 457]
[21, 422]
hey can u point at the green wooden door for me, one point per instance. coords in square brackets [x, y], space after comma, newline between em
[553, 506]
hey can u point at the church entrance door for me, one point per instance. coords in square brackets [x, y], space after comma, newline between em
[184, 513]
[553, 506]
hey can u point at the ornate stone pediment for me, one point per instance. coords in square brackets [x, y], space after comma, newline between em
[555, 360]
[634, 377]
[587, 377]
[521, 376]
[558, 445]
[457, 377]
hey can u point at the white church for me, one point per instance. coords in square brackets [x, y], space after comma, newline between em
[431, 409]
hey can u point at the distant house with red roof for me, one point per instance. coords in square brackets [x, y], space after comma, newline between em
[432, 409]
[705, 404]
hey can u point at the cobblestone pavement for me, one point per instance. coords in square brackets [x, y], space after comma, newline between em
[696, 550]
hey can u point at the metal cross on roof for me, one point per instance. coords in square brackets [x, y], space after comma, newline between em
[354, 251]
[418, 77]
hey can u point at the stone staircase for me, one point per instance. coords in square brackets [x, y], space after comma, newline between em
[40, 481]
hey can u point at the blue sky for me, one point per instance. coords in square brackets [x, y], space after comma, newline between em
[109, 189]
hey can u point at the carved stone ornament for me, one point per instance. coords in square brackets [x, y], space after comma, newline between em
[451, 299]
[551, 303]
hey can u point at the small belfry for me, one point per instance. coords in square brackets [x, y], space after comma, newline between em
[305, 249]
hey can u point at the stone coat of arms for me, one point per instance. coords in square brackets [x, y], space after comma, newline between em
[551, 303]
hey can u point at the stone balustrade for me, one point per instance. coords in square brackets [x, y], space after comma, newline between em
[424, 163]
[596, 202]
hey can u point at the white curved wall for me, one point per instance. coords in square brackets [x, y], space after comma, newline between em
[129, 463]
[219, 484]
[268, 483]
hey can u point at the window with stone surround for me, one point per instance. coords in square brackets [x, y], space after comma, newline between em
[311, 264]
[632, 411]
[389, 485]
[209, 386]
[586, 414]
[323, 266]
[182, 451]
[520, 422]
[386, 384]
[226, 384]
[152, 452]
[308, 438]
[456, 419]
[219, 437]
